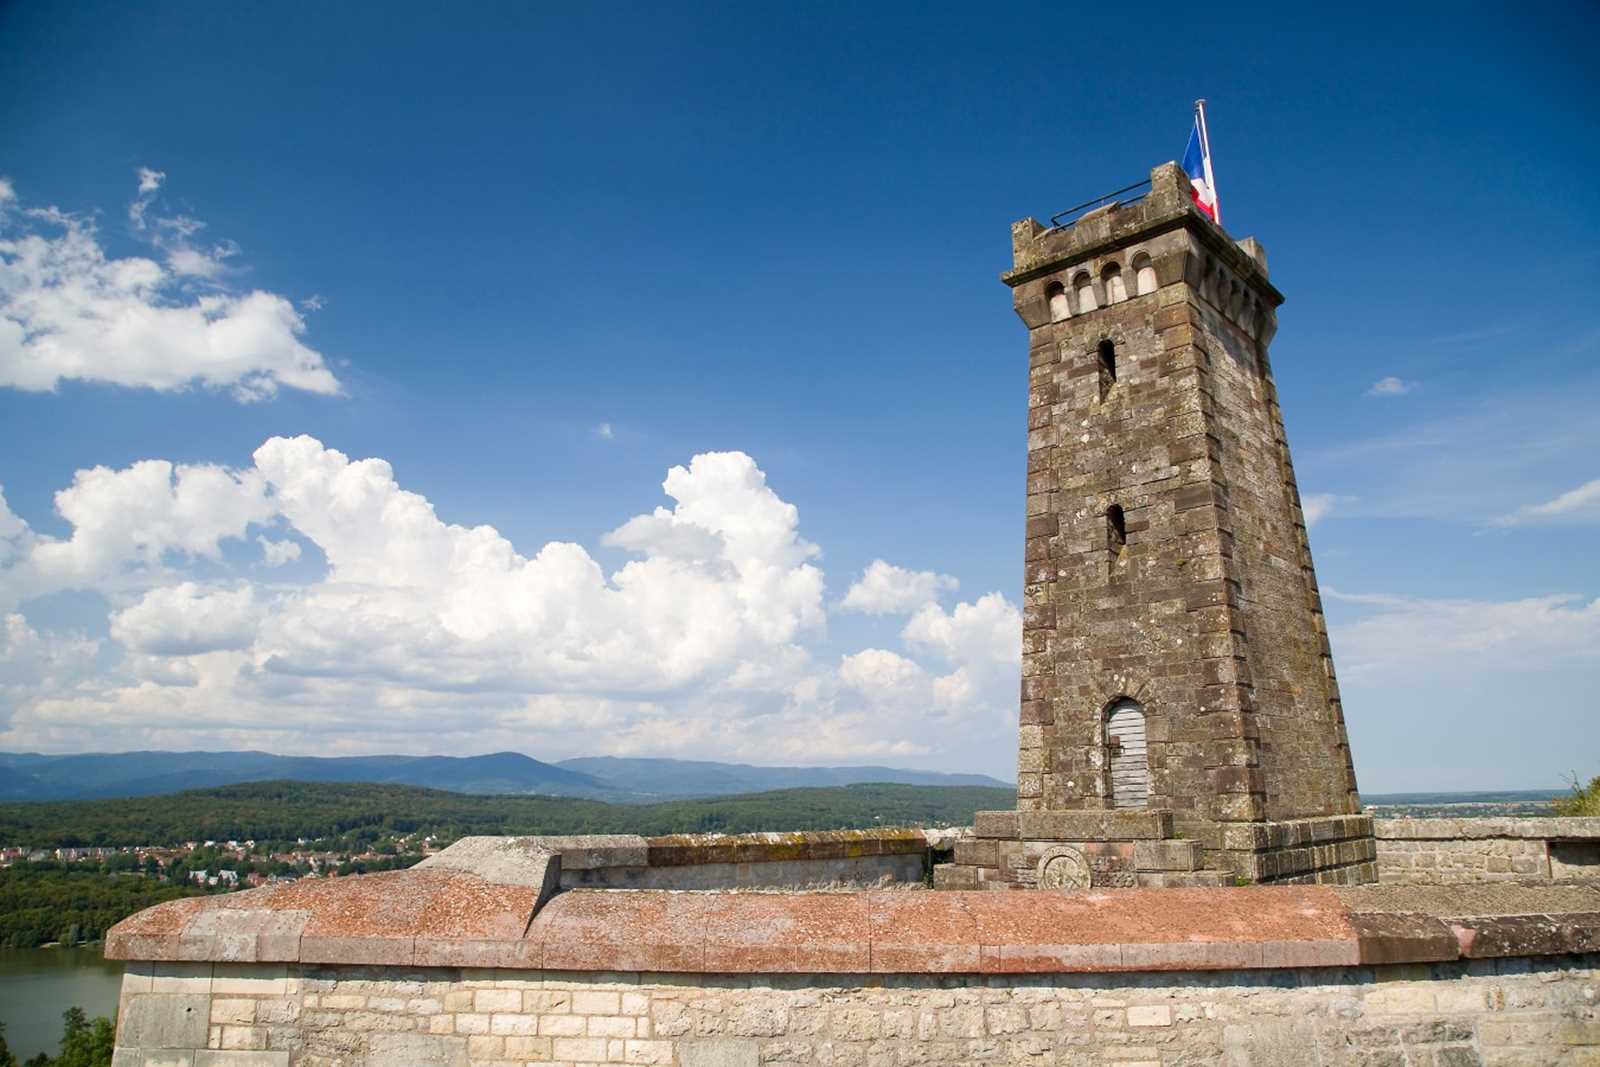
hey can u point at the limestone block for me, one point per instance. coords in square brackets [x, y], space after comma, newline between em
[518, 861]
[1167, 855]
[995, 824]
[175, 977]
[416, 1050]
[166, 1021]
[223, 1058]
[1124, 825]
[718, 1054]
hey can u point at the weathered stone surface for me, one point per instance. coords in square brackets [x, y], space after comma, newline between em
[1403, 938]
[1454, 901]
[1167, 855]
[995, 824]
[1459, 851]
[419, 1050]
[733, 1053]
[430, 918]
[1515, 1012]
[1534, 829]
[583, 852]
[1167, 571]
[521, 861]
[1093, 825]
[166, 1020]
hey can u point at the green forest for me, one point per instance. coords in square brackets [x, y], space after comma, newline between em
[55, 901]
[43, 903]
[352, 815]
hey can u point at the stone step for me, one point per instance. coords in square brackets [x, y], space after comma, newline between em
[1174, 854]
[967, 876]
[955, 876]
[1184, 879]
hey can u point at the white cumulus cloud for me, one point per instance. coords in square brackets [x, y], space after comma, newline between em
[986, 632]
[32, 663]
[277, 553]
[127, 523]
[884, 589]
[187, 618]
[70, 312]
[705, 642]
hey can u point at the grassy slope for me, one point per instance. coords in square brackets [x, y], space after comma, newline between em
[287, 810]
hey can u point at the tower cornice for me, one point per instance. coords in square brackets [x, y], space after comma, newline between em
[1038, 250]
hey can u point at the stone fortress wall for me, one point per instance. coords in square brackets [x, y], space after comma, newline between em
[748, 861]
[480, 959]
[1462, 851]
[1536, 1013]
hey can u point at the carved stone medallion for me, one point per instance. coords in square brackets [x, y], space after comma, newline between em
[1063, 867]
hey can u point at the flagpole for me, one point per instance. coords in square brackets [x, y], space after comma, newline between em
[1205, 144]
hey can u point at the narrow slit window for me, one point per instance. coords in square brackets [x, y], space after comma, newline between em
[1108, 359]
[1116, 529]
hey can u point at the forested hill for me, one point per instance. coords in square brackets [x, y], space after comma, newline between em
[276, 811]
[102, 775]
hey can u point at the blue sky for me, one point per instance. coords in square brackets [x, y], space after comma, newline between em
[533, 259]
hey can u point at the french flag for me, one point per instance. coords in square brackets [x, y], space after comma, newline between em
[1197, 164]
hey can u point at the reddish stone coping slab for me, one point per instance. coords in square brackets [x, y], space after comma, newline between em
[455, 919]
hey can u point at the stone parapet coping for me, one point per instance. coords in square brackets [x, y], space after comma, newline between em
[1539, 829]
[592, 852]
[455, 918]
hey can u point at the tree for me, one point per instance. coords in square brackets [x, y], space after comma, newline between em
[84, 1043]
[1584, 801]
[6, 1058]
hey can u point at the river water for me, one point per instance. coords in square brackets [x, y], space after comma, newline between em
[38, 984]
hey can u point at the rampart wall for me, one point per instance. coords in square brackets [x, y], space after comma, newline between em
[1508, 1012]
[479, 959]
[1455, 851]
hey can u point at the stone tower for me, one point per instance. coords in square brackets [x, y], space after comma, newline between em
[1180, 719]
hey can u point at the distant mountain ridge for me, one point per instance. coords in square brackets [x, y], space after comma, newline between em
[103, 775]
[688, 778]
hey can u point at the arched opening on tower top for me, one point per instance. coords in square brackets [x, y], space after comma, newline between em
[1111, 282]
[1056, 294]
[1083, 289]
[1144, 275]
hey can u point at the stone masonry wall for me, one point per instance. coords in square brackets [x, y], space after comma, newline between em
[728, 861]
[1208, 615]
[1288, 665]
[1493, 1012]
[1100, 624]
[1456, 851]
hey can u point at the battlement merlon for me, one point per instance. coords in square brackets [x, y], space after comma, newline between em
[1039, 251]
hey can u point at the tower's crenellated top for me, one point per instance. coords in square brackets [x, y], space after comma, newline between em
[1125, 250]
